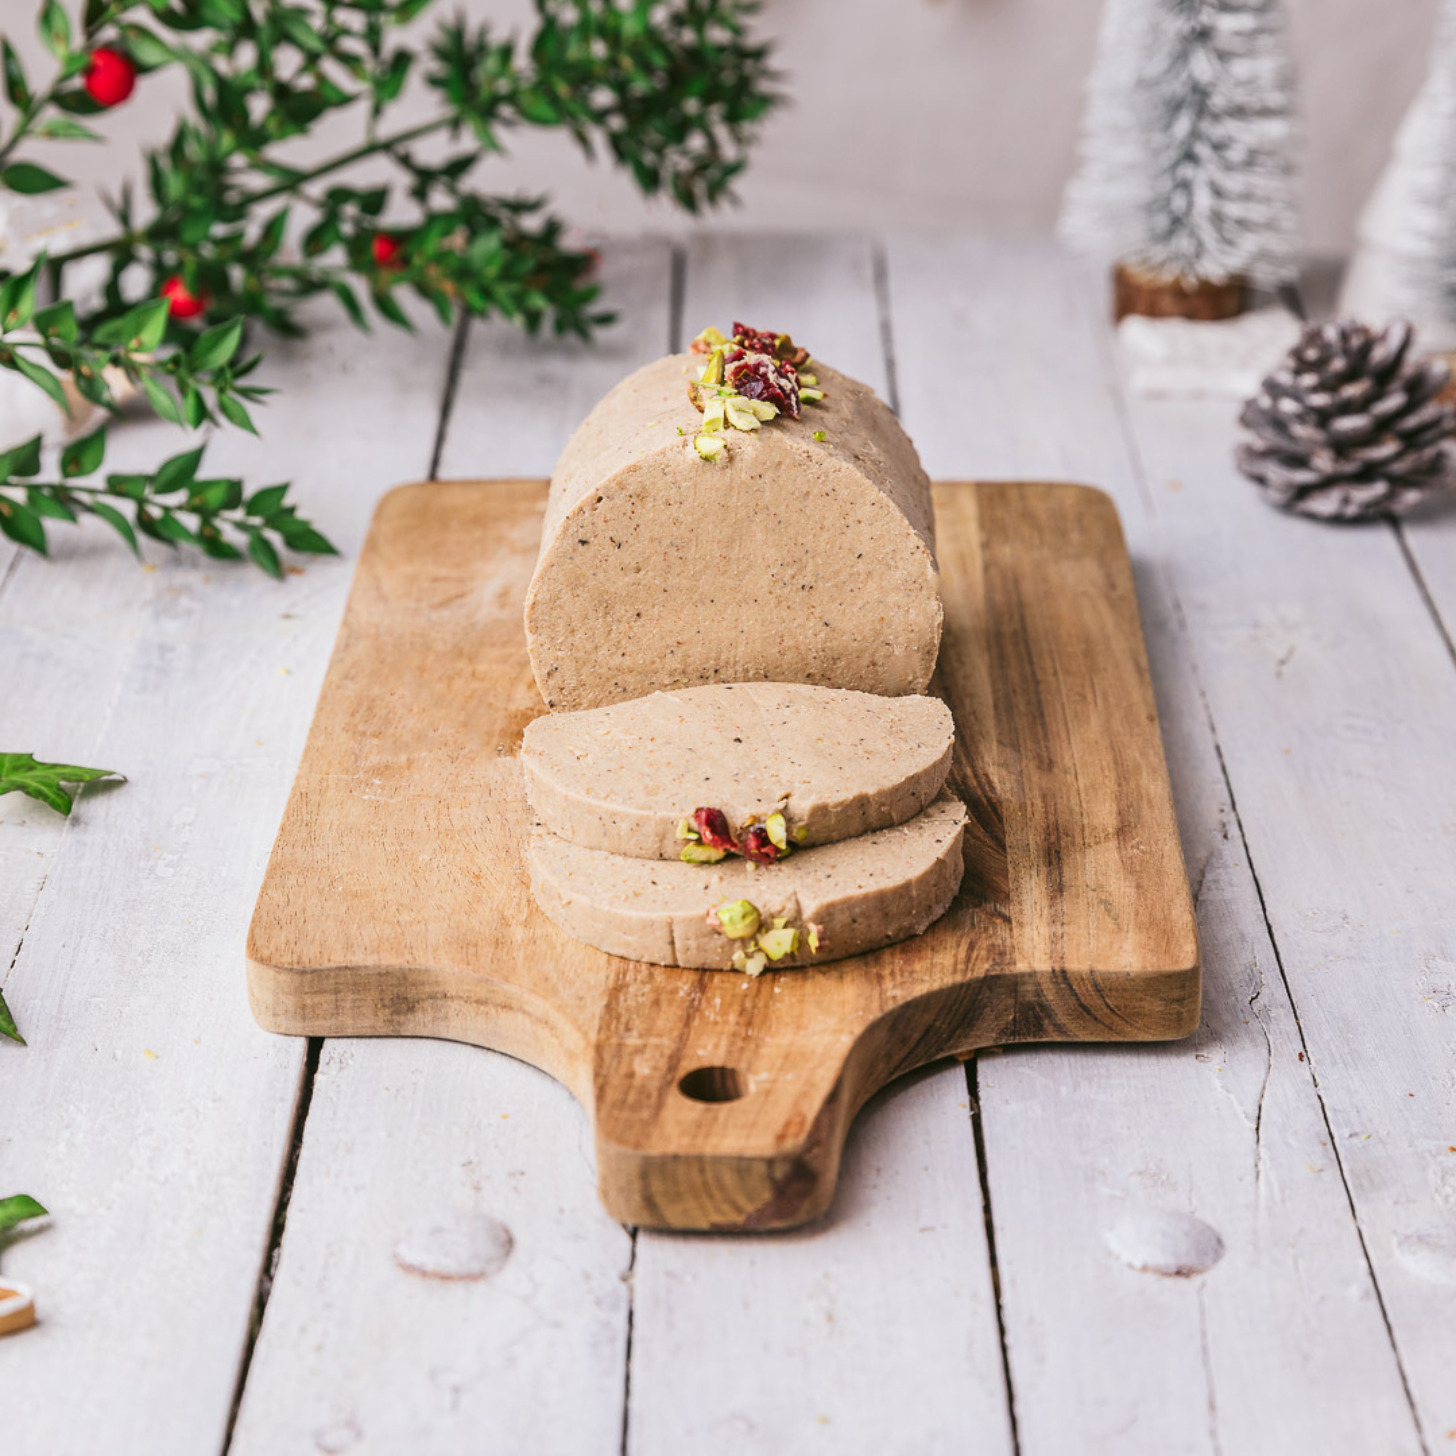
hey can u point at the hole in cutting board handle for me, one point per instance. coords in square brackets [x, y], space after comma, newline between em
[713, 1084]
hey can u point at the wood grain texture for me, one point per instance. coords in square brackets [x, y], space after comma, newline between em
[396, 901]
[1282, 1345]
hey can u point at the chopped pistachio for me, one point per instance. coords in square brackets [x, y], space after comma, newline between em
[681, 431]
[811, 396]
[710, 447]
[808, 380]
[780, 921]
[778, 830]
[818, 435]
[685, 830]
[764, 409]
[713, 415]
[740, 959]
[776, 944]
[701, 854]
[713, 369]
[755, 963]
[738, 417]
[739, 918]
[710, 338]
[800, 833]
[813, 939]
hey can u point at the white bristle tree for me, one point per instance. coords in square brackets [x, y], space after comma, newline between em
[1405, 263]
[1186, 169]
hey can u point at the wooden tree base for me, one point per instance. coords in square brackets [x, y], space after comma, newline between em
[1155, 296]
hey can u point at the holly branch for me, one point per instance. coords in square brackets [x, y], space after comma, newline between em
[232, 233]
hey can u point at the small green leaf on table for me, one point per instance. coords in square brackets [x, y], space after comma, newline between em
[17, 1208]
[44, 781]
[7, 1023]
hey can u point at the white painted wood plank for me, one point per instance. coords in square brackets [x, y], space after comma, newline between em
[1334, 698]
[876, 1330]
[149, 1113]
[68, 627]
[1004, 373]
[354, 1353]
[420, 1150]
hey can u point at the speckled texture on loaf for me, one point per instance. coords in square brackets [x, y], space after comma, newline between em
[836, 763]
[862, 893]
[789, 560]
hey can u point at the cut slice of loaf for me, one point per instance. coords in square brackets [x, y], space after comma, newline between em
[857, 895]
[836, 763]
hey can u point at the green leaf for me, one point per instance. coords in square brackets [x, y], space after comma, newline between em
[59, 321]
[391, 83]
[55, 29]
[118, 522]
[146, 324]
[214, 348]
[133, 487]
[216, 547]
[39, 375]
[160, 400]
[271, 238]
[147, 50]
[215, 495]
[345, 295]
[262, 552]
[19, 772]
[22, 525]
[169, 528]
[82, 456]
[26, 177]
[300, 536]
[264, 502]
[16, 91]
[7, 1023]
[23, 460]
[177, 473]
[47, 505]
[235, 412]
[63, 129]
[20, 1206]
[17, 297]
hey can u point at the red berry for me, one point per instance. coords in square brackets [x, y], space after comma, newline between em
[713, 830]
[182, 302]
[109, 77]
[386, 249]
[758, 847]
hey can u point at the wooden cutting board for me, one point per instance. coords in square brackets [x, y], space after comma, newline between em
[396, 900]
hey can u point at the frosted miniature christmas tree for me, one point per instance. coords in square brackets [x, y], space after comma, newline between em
[1406, 260]
[1186, 173]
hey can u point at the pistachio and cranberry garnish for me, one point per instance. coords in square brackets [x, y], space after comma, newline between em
[748, 380]
[742, 920]
[709, 837]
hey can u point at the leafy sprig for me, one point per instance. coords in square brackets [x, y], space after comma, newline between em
[172, 504]
[231, 231]
[129, 349]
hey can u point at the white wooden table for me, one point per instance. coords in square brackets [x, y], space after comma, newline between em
[219, 1272]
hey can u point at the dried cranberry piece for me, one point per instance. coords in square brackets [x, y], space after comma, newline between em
[758, 847]
[765, 341]
[713, 830]
[757, 376]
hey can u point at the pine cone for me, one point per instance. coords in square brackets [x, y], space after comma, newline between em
[1347, 426]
